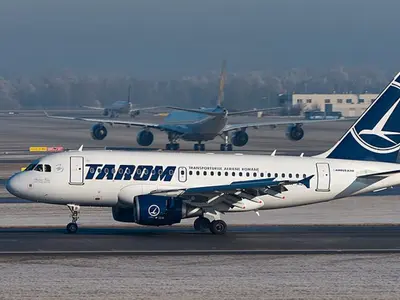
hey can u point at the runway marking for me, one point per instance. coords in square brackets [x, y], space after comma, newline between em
[201, 252]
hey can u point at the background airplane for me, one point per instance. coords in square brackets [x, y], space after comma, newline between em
[120, 107]
[198, 125]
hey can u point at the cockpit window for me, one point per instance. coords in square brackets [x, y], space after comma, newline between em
[47, 168]
[30, 167]
[39, 168]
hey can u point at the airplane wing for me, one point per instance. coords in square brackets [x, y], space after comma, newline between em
[93, 107]
[108, 121]
[240, 189]
[231, 127]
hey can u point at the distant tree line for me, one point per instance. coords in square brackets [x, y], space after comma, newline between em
[242, 91]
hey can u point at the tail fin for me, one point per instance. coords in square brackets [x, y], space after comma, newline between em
[221, 84]
[375, 136]
[129, 93]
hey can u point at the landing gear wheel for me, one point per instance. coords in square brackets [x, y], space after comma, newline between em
[72, 227]
[218, 227]
[75, 210]
[201, 224]
[226, 147]
[199, 147]
[172, 146]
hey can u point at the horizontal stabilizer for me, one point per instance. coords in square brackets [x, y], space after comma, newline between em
[243, 112]
[198, 111]
[379, 174]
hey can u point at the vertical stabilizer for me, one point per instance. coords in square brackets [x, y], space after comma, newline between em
[375, 136]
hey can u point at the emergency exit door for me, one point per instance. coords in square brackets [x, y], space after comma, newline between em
[76, 170]
[323, 177]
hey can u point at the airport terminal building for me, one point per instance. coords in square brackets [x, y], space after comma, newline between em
[350, 105]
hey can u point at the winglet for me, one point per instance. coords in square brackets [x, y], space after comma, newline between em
[306, 181]
[80, 148]
[273, 153]
[45, 112]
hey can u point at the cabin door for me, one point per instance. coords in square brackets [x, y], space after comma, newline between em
[323, 177]
[76, 170]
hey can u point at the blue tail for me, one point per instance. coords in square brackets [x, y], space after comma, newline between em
[375, 136]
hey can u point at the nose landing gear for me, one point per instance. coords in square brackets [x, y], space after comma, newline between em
[75, 210]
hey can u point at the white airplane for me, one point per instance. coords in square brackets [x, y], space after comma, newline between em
[161, 188]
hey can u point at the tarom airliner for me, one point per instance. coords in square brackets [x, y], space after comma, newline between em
[162, 188]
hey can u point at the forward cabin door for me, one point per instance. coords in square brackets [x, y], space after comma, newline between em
[76, 170]
[323, 177]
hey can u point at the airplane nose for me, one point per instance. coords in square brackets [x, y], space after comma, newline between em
[12, 185]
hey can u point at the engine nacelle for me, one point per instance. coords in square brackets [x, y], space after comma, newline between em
[294, 132]
[145, 138]
[154, 210]
[239, 138]
[98, 132]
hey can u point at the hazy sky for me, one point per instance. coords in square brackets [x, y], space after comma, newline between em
[173, 37]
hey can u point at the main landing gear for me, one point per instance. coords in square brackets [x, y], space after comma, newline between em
[227, 146]
[199, 147]
[218, 227]
[75, 210]
[172, 145]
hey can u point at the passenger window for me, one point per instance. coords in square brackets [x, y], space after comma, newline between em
[190, 172]
[297, 175]
[255, 174]
[276, 175]
[226, 173]
[269, 175]
[182, 172]
[240, 174]
[233, 174]
[247, 174]
[197, 173]
[262, 174]
[290, 175]
[304, 175]
[212, 173]
[38, 168]
[219, 173]
[47, 168]
[205, 173]
[283, 175]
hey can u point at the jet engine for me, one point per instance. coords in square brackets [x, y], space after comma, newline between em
[98, 132]
[145, 138]
[239, 138]
[154, 210]
[294, 132]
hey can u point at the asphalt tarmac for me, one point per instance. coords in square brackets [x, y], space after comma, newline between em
[185, 241]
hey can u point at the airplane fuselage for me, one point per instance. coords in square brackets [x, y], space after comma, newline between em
[195, 127]
[100, 178]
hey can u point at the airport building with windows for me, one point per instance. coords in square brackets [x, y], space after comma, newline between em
[350, 105]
